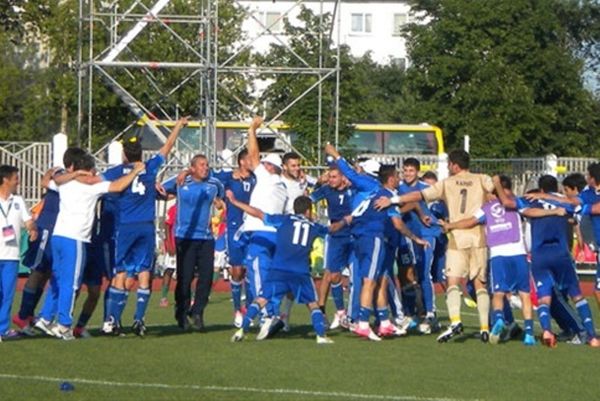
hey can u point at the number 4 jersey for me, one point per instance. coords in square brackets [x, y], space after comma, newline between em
[295, 237]
[137, 203]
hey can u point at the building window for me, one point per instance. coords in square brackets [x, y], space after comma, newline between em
[361, 23]
[269, 19]
[399, 21]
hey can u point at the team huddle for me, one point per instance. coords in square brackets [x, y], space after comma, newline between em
[397, 237]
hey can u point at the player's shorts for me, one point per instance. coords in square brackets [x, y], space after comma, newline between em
[370, 253]
[406, 253]
[338, 252]
[237, 243]
[38, 256]
[439, 260]
[551, 266]
[134, 248]
[509, 273]
[220, 259]
[258, 259]
[598, 271]
[278, 284]
[468, 263]
[99, 263]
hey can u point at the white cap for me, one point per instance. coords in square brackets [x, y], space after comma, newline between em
[370, 167]
[274, 159]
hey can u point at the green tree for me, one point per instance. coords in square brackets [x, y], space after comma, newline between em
[504, 72]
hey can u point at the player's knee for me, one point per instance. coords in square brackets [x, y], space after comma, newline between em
[452, 289]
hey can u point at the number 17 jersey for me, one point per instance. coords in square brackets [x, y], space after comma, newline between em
[137, 203]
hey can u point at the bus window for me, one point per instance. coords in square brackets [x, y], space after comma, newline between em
[365, 142]
[422, 143]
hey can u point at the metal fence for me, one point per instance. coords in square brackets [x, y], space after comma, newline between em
[32, 159]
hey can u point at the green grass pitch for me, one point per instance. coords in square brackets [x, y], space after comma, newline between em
[171, 365]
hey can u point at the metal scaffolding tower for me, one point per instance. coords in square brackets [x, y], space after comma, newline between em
[107, 34]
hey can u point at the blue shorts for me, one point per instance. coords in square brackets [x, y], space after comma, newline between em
[237, 243]
[554, 267]
[134, 248]
[338, 252]
[278, 284]
[258, 259]
[406, 253]
[509, 273]
[370, 252]
[38, 256]
[439, 260]
[99, 264]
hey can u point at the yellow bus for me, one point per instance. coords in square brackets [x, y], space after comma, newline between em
[366, 139]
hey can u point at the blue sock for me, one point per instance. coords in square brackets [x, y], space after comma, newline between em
[583, 308]
[364, 314]
[382, 314]
[409, 299]
[143, 296]
[27, 303]
[529, 326]
[83, 319]
[251, 313]
[236, 294]
[497, 315]
[248, 292]
[337, 292]
[507, 310]
[544, 316]
[116, 303]
[318, 321]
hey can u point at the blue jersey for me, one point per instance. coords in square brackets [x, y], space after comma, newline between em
[295, 237]
[588, 197]
[366, 219]
[242, 189]
[194, 202]
[105, 220]
[549, 230]
[391, 234]
[47, 217]
[136, 204]
[339, 204]
[412, 220]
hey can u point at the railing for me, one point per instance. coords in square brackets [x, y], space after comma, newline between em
[32, 159]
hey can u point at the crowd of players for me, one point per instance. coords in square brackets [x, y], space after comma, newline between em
[469, 233]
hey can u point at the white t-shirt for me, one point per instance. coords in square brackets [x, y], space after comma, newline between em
[269, 195]
[294, 190]
[76, 208]
[511, 249]
[14, 213]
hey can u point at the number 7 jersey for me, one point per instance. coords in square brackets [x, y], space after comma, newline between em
[137, 203]
[464, 194]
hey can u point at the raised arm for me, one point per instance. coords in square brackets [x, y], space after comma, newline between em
[122, 183]
[252, 211]
[410, 197]
[507, 202]
[253, 150]
[172, 138]
[574, 200]
[66, 177]
[534, 212]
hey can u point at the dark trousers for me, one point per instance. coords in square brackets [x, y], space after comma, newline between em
[193, 255]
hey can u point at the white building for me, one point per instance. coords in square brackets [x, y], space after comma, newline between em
[364, 25]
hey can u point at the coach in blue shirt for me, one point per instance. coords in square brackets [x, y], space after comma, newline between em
[194, 238]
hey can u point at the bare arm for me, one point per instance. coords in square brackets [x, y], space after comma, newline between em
[596, 208]
[66, 177]
[252, 211]
[463, 224]
[219, 204]
[560, 199]
[48, 176]
[509, 203]
[338, 225]
[122, 183]
[253, 150]
[166, 148]
[534, 212]
[400, 226]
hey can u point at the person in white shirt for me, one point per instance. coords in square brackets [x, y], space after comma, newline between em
[270, 196]
[72, 231]
[13, 215]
